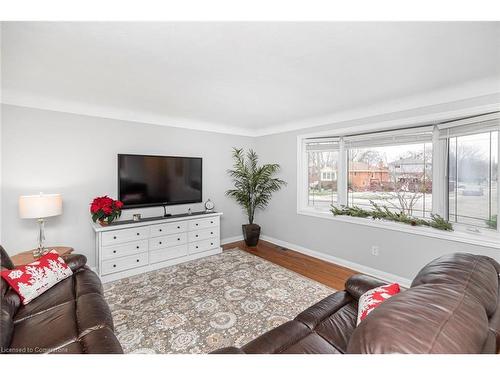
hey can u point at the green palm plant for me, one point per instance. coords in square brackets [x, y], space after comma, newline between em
[254, 184]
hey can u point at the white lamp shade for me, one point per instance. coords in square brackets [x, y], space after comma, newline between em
[40, 206]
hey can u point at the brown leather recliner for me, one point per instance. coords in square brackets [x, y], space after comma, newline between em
[71, 317]
[453, 306]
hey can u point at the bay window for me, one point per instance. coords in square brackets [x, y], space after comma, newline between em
[450, 168]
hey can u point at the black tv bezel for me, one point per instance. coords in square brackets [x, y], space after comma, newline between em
[125, 207]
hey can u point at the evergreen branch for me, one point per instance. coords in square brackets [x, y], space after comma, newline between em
[384, 213]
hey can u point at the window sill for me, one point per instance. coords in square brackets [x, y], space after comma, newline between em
[491, 240]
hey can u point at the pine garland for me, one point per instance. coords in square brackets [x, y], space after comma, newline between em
[383, 213]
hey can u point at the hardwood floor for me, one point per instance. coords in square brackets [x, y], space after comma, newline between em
[324, 272]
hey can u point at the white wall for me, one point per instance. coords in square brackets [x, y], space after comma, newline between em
[401, 254]
[75, 155]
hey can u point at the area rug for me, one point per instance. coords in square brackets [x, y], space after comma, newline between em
[202, 305]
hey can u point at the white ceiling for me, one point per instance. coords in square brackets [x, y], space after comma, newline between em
[243, 78]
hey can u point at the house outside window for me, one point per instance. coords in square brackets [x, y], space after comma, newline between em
[322, 160]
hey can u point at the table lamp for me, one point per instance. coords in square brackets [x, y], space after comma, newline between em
[39, 207]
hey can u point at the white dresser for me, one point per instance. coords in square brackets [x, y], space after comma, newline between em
[132, 248]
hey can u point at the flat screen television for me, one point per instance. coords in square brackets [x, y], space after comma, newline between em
[145, 181]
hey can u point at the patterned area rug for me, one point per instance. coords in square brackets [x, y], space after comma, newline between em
[199, 306]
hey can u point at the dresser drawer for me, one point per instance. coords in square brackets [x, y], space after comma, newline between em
[167, 241]
[124, 235]
[125, 263]
[167, 253]
[199, 235]
[168, 228]
[129, 248]
[203, 223]
[197, 247]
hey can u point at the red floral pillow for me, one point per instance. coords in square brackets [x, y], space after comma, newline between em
[31, 280]
[373, 298]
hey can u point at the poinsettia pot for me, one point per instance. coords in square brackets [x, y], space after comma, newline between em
[251, 234]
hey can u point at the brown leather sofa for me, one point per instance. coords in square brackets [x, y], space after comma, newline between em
[71, 317]
[453, 306]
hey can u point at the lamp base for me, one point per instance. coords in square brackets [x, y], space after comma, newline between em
[38, 252]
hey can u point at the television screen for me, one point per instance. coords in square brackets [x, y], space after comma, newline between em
[158, 180]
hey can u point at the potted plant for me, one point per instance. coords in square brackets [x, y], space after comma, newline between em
[254, 186]
[105, 209]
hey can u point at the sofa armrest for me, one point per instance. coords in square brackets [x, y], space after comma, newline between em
[359, 284]
[228, 350]
[75, 261]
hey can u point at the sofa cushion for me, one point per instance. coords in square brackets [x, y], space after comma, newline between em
[374, 298]
[338, 327]
[410, 323]
[33, 279]
[278, 339]
[314, 315]
[310, 344]
[83, 282]
[474, 274]
[98, 341]
[62, 324]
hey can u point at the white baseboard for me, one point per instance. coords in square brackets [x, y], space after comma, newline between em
[227, 240]
[341, 262]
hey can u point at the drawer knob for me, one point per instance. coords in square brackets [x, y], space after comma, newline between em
[211, 243]
[211, 222]
[196, 224]
[160, 230]
[178, 227]
[114, 237]
[160, 242]
[137, 260]
[137, 247]
[178, 239]
[114, 265]
[196, 235]
[114, 251]
[138, 233]
[211, 232]
[196, 246]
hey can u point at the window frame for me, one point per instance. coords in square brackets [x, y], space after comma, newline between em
[462, 233]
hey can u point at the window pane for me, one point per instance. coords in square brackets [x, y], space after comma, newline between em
[322, 178]
[399, 177]
[473, 179]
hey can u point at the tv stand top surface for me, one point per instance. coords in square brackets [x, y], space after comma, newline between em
[148, 220]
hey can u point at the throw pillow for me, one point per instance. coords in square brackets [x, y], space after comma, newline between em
[373, 298]
[31, 280]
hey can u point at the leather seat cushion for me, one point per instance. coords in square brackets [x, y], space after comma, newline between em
[311, 344]
[315, 314]
[337, 329]
[423, 320]
[98, 341]
[278, 339]
[474, 274]
[333, 318]
[83, 282]
[62, 324]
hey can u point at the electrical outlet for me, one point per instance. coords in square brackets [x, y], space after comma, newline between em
[375, 251]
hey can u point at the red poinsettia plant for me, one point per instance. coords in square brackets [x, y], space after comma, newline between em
[105, 209]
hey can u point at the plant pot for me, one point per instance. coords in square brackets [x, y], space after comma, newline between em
[251, 234]
[103, 223]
